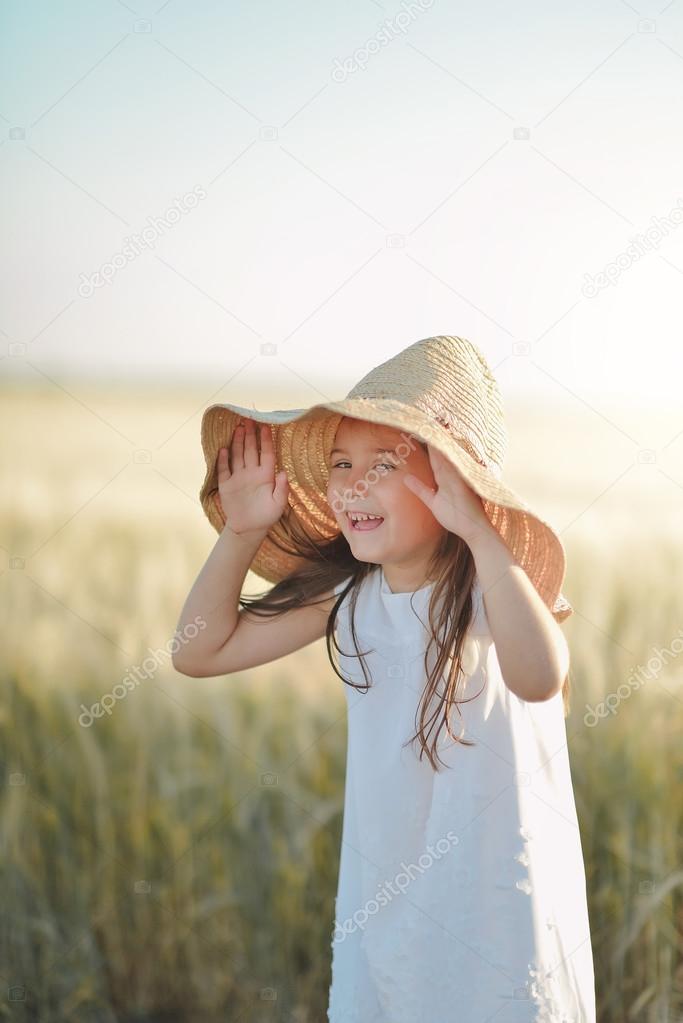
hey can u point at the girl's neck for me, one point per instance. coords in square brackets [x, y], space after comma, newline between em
[403, 582]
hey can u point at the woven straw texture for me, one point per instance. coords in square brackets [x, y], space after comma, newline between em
[439, 390]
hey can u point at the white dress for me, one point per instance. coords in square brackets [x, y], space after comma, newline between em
[461, 894]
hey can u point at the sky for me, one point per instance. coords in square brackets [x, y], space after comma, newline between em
[284, 195]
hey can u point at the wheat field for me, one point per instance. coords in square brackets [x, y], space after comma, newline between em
[176, 859]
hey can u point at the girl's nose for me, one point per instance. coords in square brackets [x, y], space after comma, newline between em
[351, 494]
[357, 485]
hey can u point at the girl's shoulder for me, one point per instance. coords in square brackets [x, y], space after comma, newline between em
[372, 595]
[341, 586]
[367, 591]
[479, 624]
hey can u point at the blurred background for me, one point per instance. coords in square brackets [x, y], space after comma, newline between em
[257, 203]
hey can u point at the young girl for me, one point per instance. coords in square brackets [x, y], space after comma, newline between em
[461, 893]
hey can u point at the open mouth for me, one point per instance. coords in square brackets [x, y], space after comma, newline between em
[362, 523]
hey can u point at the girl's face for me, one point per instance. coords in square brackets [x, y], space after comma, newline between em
[364, 479]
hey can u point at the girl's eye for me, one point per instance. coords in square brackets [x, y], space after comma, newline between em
[388, 465]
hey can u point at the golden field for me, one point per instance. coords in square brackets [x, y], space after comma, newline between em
[176, 859]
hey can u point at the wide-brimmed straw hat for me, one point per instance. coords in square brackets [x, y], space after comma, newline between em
[439, 390]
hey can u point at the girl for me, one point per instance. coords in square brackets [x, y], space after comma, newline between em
[461, 893]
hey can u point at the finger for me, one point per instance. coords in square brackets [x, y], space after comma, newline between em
[267, 450]
[223, 465]
[435, 458]
[281, 486]
[237, 449]
[250, 449]
[424, 492]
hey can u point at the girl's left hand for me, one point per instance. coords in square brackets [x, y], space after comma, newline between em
[454, 504]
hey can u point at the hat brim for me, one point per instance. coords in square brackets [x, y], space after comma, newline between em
[302, 441]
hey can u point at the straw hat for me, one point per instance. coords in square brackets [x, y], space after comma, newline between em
[439, 389]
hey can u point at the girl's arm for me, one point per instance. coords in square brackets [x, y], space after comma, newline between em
[212, 604]
[233, 640]
[531, 648]
[214, 636]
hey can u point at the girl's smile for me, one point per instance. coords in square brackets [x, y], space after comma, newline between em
[363, 522]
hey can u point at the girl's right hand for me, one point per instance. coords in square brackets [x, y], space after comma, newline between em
[251, 495]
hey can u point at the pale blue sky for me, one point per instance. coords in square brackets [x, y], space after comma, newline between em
[485, 162]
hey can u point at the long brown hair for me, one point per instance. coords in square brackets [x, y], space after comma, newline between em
[326, 563]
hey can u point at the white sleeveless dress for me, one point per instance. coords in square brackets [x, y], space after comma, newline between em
[461, 894]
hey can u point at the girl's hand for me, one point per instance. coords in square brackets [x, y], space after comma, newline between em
[251, 496]
[454, 504]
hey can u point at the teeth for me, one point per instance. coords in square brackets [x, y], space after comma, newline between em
[360, 516]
